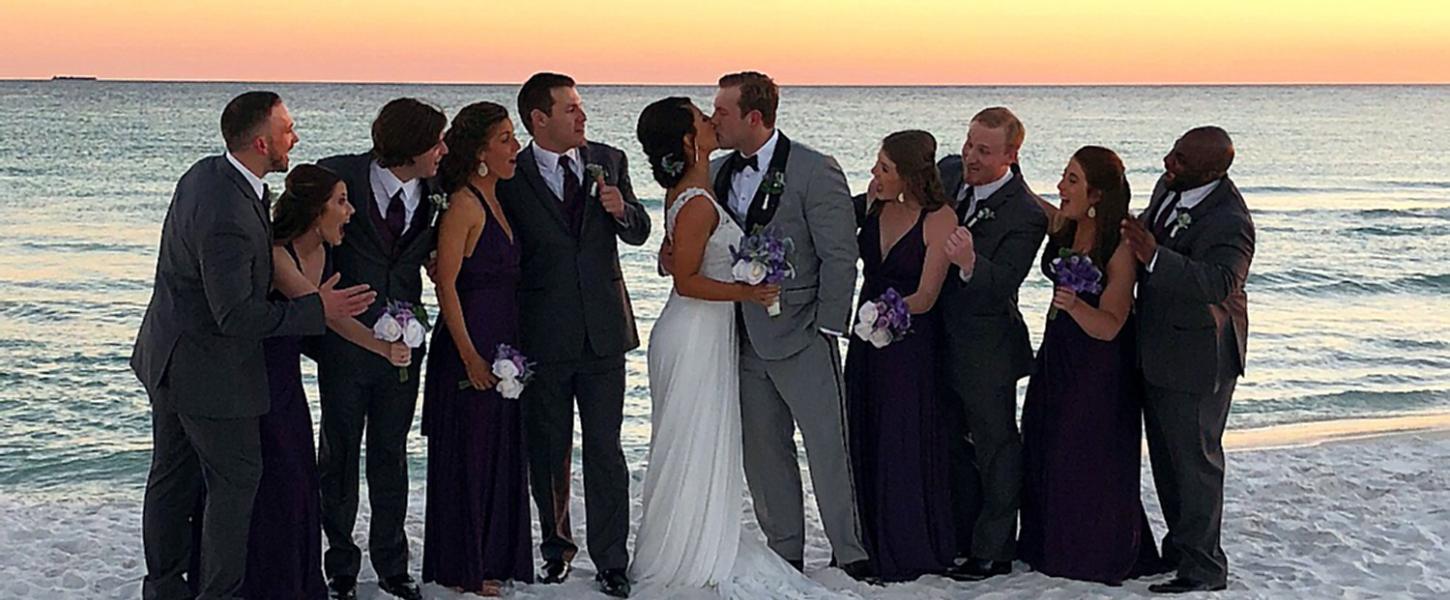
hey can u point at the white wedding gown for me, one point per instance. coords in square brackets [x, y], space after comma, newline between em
[690, 540]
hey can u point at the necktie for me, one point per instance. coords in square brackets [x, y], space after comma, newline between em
[967, 205]
[1160, 224]
[266, 196]
[738, 163]
[397, 215]
[573, 203]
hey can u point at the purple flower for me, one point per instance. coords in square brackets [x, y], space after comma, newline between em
[884, 320]
[1076, 273]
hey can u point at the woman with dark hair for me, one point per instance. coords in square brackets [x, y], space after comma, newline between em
[284, 554]
[1082, 517]
[476, 534]
[898, 443]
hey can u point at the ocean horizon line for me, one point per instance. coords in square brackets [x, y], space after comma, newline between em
[60, 78]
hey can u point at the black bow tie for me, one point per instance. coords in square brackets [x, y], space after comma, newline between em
[738, 163]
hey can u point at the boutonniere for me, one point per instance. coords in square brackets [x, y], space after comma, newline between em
[1180, 224]
[597, 171]
[440, 204]
[982, 214]
[774, 183]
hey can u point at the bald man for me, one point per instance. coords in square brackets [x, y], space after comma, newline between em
[1194, 245]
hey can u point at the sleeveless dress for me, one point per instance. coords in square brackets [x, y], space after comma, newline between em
[284, 547]
[690, 541]
[477, 525]
[898, 438]
[1082, 427]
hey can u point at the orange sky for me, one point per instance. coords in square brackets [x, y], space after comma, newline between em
[796, 41]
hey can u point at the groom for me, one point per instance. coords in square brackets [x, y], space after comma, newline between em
[570, 203]
[790, 367]
[199, 353]
[1195, 243]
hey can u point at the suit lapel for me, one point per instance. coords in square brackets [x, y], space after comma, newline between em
[530, 167]
[361, 197]
[763, 205]
[587, 182]
[723, 178]
[248, 192]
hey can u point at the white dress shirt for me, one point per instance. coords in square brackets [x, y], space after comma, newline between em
[979, 193]
[744, 184]
[385, 184]
[257, 183]
[552, 173]
[1186, 202]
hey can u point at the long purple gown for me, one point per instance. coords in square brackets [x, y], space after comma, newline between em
[898, 442]
[477, 525]
[1082, 426]
[284, 548]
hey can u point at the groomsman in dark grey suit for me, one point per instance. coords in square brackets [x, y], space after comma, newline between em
[570, 205]
[1001, 226]
[199, 353]
[387, 248]
[1195, 243]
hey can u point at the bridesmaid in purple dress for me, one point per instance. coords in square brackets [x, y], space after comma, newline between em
[898, 444]
[1082, 517]
[284, 553]
[476, 534]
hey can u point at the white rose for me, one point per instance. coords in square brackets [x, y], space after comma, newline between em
[880, 338]
[510, 388]
[863, 331]
[504, 368]
[414, 333]
[749, 271]
[387, 329]
[868, 313]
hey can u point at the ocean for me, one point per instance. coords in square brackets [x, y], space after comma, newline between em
[1349, 295]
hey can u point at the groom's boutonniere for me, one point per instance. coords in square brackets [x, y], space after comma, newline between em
[596, 172]
[982, 214]
[440, 204]
[1180, 224]
[774, 183]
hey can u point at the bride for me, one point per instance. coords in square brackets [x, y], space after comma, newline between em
[690, 535]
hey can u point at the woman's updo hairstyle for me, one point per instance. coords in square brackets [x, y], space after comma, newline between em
[308, 189]
[662, 129]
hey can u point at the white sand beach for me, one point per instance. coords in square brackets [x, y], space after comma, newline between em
[1337, 509]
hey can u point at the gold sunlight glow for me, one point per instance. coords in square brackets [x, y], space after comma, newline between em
[870, 42]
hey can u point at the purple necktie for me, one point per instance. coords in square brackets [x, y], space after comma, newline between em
[397, 216]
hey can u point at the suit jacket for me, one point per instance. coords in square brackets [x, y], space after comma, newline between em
[983, 323]
[1192, 309]
[572, 290]
[199, 351]
[815, 212]
[393, 269]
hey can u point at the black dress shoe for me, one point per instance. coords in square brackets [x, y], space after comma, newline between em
[977, 569]
[797, 564]
[1181, 585]
[861, 571]
[613, 582]
[401, 586]
[555, 571]
[342, 587]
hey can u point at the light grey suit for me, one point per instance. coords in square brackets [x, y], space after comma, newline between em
[790, 372]
[200, 356]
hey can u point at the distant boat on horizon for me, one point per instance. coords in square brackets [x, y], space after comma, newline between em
[73, 78]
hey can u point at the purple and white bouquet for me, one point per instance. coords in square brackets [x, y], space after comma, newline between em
[401, 321]
[883, 320]
[763, 257]
[1077, 273]
[512, 369]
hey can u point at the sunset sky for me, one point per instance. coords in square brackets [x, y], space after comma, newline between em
[797, 41]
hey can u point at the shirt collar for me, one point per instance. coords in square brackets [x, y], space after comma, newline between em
[549, 161]
[1192, 198]
[985, 191]
[391, 184]
[766, 152]
[257, 183]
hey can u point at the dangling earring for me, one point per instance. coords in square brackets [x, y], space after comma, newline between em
[1092, 212]
[482, 169]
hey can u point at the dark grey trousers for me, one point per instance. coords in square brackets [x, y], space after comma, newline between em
[1185, 445]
